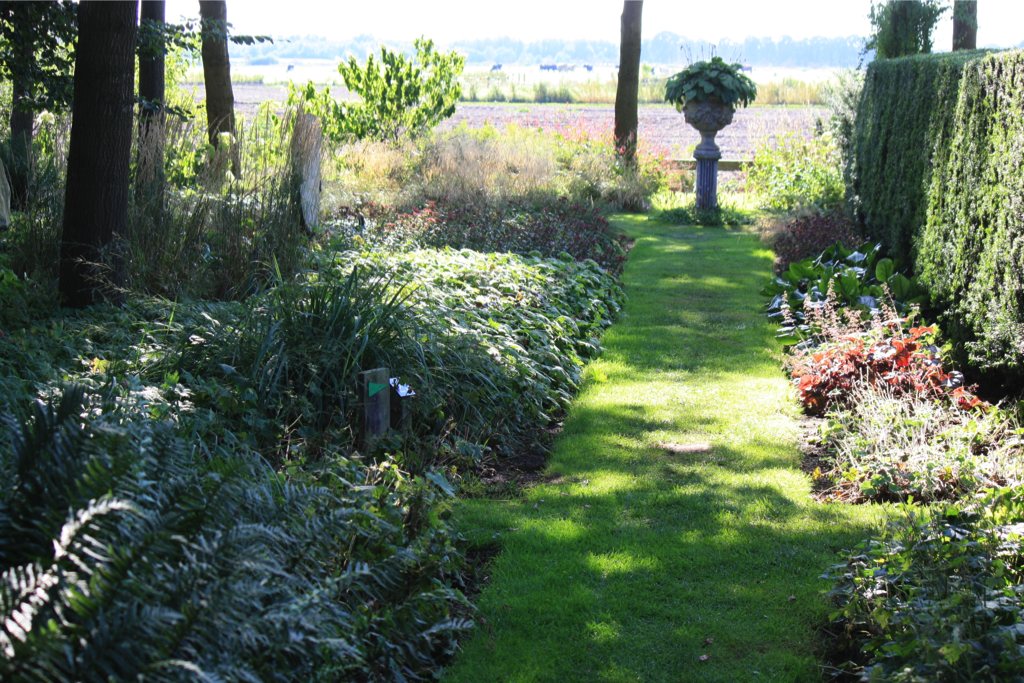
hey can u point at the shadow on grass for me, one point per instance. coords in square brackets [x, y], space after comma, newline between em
[636, 561]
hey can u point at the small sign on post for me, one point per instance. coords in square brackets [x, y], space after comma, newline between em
[401, 415]
[375, 397]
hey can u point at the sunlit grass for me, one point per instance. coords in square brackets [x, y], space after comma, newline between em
[676, 522]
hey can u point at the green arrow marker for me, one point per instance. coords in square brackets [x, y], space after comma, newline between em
[375, 388]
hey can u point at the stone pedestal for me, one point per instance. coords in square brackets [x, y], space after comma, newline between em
[708, 118]
[707, 177]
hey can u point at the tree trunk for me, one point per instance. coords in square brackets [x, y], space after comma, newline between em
[22, 117]
[152, 87]
[21, 146]
[220, 100]
[629, 82]
[965, 24]
[906, 39]
[96, 197]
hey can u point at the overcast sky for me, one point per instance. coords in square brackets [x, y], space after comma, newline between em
[1000, 22]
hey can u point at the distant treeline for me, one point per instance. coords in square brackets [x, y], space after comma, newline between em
[664, 48]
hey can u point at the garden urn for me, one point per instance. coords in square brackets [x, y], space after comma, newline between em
[708, 117]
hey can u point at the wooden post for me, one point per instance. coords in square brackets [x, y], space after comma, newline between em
[375, 396]
[5, 199]
[307, 146]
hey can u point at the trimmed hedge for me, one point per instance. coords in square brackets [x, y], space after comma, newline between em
[938, 153]
[906, 108]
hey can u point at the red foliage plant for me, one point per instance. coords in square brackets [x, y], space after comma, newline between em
[904, 362]
[548, 226]
[796, 237]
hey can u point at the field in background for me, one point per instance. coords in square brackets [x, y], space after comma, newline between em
[661, 128]
[326, 71]
[528, 84]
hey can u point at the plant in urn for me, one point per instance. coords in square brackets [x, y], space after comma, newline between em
[707, 93]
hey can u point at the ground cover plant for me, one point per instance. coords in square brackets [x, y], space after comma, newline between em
[934, 597]
[184, 487]
[937, 596]
[548, 229]
[127, 552]
[281, 366]
[501, 343]
[887, 446]
[904, 362]
[264, 388]
[808, 293]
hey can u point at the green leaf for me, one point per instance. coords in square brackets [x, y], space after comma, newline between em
[884, 269]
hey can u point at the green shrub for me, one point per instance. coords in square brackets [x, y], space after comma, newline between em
[903, 27]
[937, 598]
[796, 172]
[399, 96]
[842, 95]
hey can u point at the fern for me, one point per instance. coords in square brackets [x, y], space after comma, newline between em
[168, 565]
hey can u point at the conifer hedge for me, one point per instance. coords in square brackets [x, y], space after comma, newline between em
[938, 155]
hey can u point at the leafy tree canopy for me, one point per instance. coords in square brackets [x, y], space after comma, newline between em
[37, 51]
[903, 27]
[400, 95]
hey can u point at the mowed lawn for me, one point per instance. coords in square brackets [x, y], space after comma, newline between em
[674, 521]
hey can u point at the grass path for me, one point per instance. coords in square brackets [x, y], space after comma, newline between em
[631, 559]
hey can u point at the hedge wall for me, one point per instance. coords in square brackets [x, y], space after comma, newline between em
[939, 177]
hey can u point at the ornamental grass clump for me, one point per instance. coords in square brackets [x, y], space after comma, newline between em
[887, 446]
